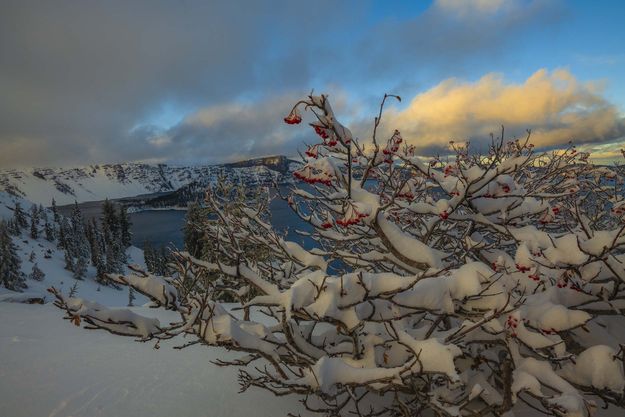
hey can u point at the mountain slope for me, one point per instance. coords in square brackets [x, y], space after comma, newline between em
[97, 182]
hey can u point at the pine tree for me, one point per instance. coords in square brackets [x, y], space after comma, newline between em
[131, 296]
[113, 258]
[34, 222]
[20, 217]
[49, 231]
[80, 268]
[97, 250]
[43, 214]
[124, 227]
[73, 291]
[114, 250]
[79, 238]
[64, 231]
[12, 227]
[148, 256]
[193, 234]
[76, 245]
[55, 213]
[164, 261]
[110, 222]
[11, 275]
[69, 261]
[36, 273]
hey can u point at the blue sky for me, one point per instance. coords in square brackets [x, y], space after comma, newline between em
[206, 82]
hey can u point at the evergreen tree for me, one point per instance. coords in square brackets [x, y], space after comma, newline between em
[148, 256]
[64, 232]
[73, 291]
[55, 213]
[114, 250]
[36, 273]
[131, 296]
[43, 214]
[11, 275]
[113, 258]
[163, 262]
[49, 231]
[12, 227]
[80, 268]
[97, 251]
[193, 234]
[20, 217]
[69, 261]
[124, 227]
[79, 238]
[110, 222]
[76, 245]
[34, 222]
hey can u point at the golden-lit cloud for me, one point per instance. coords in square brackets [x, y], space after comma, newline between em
[553, 104]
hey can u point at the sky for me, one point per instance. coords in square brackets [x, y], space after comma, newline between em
[203, 82]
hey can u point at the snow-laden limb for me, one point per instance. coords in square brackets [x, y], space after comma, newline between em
[156, 288]
[117, 321]
[598, 366]
[463, 285]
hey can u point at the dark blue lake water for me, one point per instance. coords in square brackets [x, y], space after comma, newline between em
[164, 227]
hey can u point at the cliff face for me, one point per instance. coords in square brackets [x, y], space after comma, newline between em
[97, 182]
[279, 163]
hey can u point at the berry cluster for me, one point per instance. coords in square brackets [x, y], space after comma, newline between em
[354, 218]
[313, 151]
[512, 323]
[325, 179]
[293, 118]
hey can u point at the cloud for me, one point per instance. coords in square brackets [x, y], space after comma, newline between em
[87, 81]
[80, 75]
[455, 38]
[227, 131]
[464, 7]
[554, 105]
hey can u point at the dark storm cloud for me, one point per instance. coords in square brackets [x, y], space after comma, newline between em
[81, 74]
[84, 81]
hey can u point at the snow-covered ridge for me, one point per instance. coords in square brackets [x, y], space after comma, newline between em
[97, 182]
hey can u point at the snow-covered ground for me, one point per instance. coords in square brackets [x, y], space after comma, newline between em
[49, 367]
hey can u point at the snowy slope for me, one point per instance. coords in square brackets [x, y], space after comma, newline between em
[60, 278]
[7, 203]
[51, 368]
[97, 182]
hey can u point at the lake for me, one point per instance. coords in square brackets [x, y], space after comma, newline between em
[164, 227]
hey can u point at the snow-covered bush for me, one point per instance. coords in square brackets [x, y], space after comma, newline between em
[464, 285]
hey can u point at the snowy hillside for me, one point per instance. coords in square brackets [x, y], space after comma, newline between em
[50, 260]
[73, 372]
[7, 203]
[97, 182]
